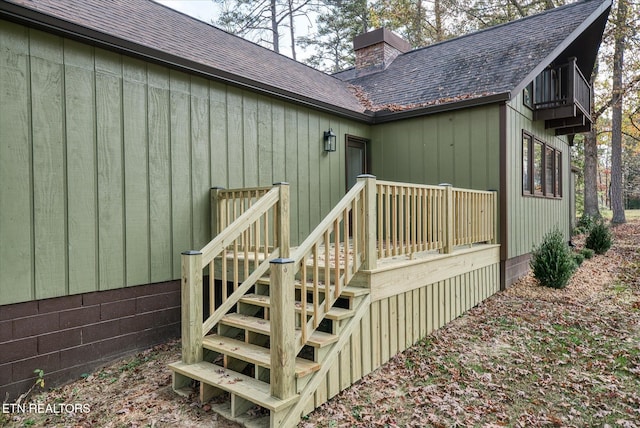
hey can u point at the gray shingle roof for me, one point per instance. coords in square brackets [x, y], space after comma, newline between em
[491, 61]
[154, 26]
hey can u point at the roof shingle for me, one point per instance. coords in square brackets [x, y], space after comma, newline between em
[491, 61]
[152, 25]
[488, 62]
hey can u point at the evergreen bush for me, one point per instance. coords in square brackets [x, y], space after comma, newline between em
[587, 253]
[578, 258]
[600, 238]
[585, 224]
[552, 261]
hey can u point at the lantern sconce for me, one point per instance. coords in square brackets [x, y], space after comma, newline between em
[330, 141]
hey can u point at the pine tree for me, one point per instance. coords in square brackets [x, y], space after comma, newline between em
[262, 21]
[337, 24]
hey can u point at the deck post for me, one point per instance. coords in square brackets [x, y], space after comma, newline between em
[283, 333]
[283, 223]
[494, 219]
[218, 211]
[571, 80]
[448, 219]
[191, 307]
[370, 220]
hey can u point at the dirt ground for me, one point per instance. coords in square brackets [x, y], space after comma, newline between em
[529, 356]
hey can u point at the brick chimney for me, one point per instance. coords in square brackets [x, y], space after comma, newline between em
[377, 49]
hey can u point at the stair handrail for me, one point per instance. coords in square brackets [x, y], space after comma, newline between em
[228, 204]
[239, 225]
[194, 262]
[354, 206]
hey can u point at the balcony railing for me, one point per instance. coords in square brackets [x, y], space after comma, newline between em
[562, 92]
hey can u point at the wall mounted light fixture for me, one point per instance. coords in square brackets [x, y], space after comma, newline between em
[330, 141]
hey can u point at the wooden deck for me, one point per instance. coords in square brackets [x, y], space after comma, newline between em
[396, 275]
[288, 328]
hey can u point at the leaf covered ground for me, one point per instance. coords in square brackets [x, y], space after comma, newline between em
[529, 356]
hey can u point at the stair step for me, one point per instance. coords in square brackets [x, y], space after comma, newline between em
[250, 389]
[344, 291]
[318, 339]
[246, 421]
[336, 314]
[347, 291]
[253, 353]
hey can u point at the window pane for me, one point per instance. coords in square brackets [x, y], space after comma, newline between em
[537, 167]
[549, 172]
[558, 173]
[526, 163]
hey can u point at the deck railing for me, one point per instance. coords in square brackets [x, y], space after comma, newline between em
[410, 218]
[249, 248]
[229, 204]
[474, 214]
[561, 86]
[253, 239]
[413, 218]
[373, 220]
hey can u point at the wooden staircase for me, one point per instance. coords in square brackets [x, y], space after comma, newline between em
[271, 332]
[237, 357]
[266, 346]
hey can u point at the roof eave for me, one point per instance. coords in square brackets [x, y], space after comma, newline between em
[564, 45]
[29, 17]
[384, 116]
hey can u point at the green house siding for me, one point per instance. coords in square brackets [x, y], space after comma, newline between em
[459, 147]
[529, 218]
[106, 163]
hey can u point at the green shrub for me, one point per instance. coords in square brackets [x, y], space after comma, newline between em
[587, 253]
[600, 239]
[578, 258]
[585, 224]
[552, 261]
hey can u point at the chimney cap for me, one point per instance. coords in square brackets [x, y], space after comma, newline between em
[381, 35]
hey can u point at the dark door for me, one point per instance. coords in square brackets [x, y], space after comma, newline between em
[357, 159]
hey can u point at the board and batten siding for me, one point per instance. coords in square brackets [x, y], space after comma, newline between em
[529, 218]
[459, 147]
[395, 323]
[106, 163]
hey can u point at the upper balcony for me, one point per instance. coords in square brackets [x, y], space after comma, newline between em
[562, 98]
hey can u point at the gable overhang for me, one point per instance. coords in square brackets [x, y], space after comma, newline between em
[384, 116]
[34, 19]
[583, 43]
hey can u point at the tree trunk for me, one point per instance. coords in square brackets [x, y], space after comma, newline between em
[617, 203]
[591, 174]
[590, 171]
[519, 8]
[292, 30]
[437, 6]
[274, 27]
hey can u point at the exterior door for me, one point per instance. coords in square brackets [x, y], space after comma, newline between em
[357, 160]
